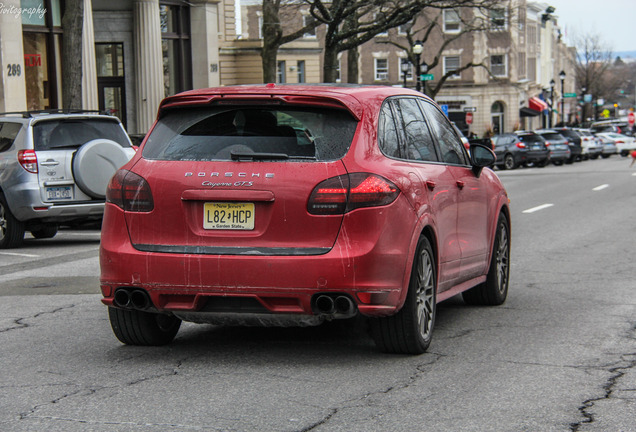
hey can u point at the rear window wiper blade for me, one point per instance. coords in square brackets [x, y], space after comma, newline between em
[238, 156]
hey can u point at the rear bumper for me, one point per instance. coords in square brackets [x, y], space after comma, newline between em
[26, 204]
[369, 266]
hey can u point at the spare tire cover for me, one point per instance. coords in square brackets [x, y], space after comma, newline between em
[95, 163]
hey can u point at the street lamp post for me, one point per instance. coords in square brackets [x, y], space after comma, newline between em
[405, 66]
[562, 76]
[552, 84]
[424, 69]
[417, 50]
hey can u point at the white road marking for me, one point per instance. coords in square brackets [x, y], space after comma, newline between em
[537, 208]
[19, 254]
[601, 187]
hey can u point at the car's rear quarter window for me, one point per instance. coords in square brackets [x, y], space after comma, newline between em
[202, 134]
[8, 132]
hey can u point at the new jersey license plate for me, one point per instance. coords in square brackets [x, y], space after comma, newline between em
[228, 216]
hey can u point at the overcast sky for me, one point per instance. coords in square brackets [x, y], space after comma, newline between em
[614, 21]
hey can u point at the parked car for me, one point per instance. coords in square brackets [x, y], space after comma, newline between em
[209, 221]
[609, 146]
[557, 143]
[591, 146]
[520, 148]
[614, 125]
[624, 144]
[54, 169]
[573, 137]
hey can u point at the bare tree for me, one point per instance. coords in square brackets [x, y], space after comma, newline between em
[274, 32]
[72, 23]
[470, 23]
[351, 23]
[593, 60]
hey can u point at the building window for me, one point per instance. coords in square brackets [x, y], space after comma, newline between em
[111, 82]
[280, 72]
[532, 69]
[498, 65]
[452, 23]
[301, 71]
[175, 47]
[42, 44]
[338, 69]
[381, 69]
[498, 19]
[532, 34]
[522, 65]
[451, 63]
[309, 20]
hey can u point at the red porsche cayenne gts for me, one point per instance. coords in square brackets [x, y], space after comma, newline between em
[291, 205]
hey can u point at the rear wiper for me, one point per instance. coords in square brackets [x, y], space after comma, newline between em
[237, 156]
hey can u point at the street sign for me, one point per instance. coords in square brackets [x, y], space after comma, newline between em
[631, 118]
[469, 117]
[470, 109]
[426, 77]
[569, 95]
[445, 109]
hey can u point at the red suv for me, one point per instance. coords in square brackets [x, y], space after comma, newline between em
[291, 205]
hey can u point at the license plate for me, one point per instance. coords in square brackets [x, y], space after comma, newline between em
[228, 216]
[59, 193]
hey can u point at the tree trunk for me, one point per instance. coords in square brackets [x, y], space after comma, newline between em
[72, 23]
[272, 34]
[330, 66]
[352, 66]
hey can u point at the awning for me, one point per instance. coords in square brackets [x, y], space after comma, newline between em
[528, 112]
[537, 104]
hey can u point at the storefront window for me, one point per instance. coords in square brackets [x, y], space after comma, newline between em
[111, 82]
[41, 39]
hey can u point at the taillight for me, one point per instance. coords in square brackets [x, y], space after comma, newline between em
[342, 194]
[130, 192]
[29, 160]
[619, 142]
[547, 144]
[520, 145]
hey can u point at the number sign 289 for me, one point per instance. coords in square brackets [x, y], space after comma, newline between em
[14, 70]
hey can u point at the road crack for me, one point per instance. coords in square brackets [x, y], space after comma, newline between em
[626, 364]
[20, 323]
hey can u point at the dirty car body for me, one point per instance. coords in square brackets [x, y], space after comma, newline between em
[291, 205]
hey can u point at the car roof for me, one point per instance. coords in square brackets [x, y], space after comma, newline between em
[353, 97]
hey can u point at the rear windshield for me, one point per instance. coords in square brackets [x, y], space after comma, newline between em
[531, 139]
[72, 133]
[232, 133]
[553, 136]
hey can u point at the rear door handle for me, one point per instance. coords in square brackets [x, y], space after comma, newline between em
[460, 184]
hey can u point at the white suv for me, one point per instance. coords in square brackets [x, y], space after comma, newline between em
[54, 169]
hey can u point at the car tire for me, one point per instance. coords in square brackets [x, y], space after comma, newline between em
[410, 330]
[11, 229]
[509, 162]
[44, 232]
[494, 291]
[557, 163]
[605, 156]
[134, 327]
[95, 163]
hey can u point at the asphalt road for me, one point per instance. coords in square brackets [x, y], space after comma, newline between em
[559, 355]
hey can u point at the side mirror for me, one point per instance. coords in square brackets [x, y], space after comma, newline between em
[480, 157]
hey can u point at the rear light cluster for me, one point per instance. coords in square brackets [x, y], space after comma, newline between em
[342, 194]
[520, 145]
[29, 160]
[130, 192]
